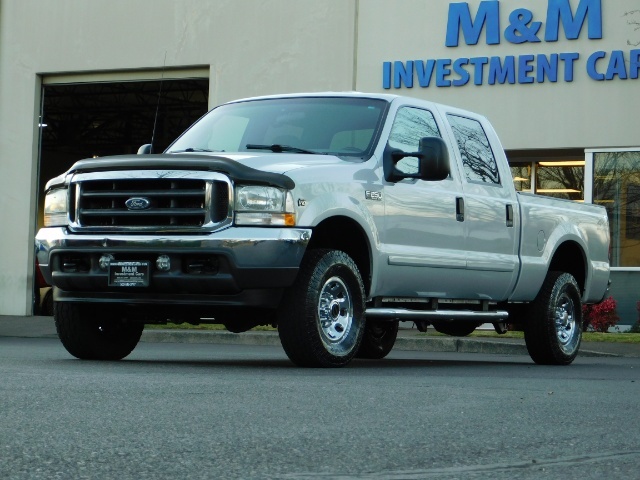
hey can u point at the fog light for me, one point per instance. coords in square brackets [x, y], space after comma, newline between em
[105, 260]
[201, 265]
[163, 263]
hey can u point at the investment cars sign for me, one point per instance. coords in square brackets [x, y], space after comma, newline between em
[523, 28]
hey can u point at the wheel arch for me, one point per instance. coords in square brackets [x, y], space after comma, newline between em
[570, 257]
[346, 234]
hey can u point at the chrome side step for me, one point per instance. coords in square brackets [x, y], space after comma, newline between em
[406, 315]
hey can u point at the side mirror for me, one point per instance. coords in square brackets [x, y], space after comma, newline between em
[433, 161]
[145, 149]
[435, 164]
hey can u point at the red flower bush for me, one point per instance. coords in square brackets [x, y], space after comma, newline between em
[635, 328]
[600, 316]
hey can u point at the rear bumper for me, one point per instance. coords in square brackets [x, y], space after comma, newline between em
[242, 266]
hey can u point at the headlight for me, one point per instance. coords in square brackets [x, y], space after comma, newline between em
[55, 208]
[259, 205]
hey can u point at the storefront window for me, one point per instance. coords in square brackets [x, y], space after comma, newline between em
[557, 178]
[616, 186]
[564, 179]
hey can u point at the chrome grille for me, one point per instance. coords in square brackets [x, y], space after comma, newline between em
[150, 201]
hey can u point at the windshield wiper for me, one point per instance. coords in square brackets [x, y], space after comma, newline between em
[277, 148]
[193, 150]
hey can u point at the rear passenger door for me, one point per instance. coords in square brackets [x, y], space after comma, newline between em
[490, 209]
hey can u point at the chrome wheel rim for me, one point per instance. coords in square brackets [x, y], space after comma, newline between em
[335, 310]
[567, 330]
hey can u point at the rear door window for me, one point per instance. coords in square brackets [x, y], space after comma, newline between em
[479, 163]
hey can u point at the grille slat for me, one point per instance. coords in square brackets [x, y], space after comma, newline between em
[156, 212]
[158, 193]
[166, 201]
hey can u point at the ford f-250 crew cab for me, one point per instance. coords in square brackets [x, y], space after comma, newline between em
[329, 216]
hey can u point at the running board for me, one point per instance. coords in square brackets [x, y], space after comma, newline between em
[405, 315]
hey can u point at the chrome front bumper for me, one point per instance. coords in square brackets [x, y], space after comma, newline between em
[241, 259]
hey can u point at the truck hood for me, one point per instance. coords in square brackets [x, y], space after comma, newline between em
[283, 162]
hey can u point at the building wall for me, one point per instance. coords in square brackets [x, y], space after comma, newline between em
[624, 285]
[253, 47]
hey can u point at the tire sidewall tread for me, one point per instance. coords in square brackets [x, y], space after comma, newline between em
[540, 330]
[298, 325]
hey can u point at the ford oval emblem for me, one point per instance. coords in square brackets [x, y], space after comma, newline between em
[138, 203]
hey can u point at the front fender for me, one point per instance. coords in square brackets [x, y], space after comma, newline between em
[367, 214]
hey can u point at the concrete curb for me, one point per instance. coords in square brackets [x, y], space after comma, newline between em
[420, 344]
[215, 337]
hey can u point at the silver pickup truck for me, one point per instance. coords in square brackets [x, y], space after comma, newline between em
[331, 217]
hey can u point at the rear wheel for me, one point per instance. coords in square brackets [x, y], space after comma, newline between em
[90, 332]
[321, 317]
[553, 329]
[378, 339]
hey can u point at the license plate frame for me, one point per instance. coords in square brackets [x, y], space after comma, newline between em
[129, 274]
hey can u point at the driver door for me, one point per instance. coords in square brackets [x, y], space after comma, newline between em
[423, 238]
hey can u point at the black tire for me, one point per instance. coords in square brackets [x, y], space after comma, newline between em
[455, 329]
[91, 335]
[47, 304]
[321, 317]
[553, 329]
[378, 339]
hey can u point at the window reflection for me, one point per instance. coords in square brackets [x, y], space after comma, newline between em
[409, 126]
[477, 157]
[563, 179]
[521, 177]
[616, 186]
[556, 178]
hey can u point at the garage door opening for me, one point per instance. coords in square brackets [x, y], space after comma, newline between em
[87, 120]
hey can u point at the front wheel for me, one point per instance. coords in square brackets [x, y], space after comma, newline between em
[89, 332]
[553, 329]
[321, 317]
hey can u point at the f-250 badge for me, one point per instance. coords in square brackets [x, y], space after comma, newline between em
[369, 195]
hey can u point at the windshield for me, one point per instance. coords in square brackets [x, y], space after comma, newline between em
[342, 126]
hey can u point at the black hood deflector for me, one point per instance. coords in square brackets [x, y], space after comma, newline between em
[238, 172]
